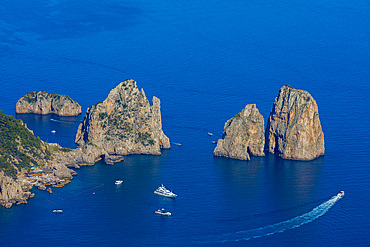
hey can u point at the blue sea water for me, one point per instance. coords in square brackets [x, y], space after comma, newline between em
[205, 60]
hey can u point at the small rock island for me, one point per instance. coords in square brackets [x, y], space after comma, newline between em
[41, 102]
[124, 123]
[293, 129]
[243, 135]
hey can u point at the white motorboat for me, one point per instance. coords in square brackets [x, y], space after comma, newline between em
[210, 133]
[164, 192]
[118, 182]
[163, 212]
[53, 131]
[57, 211]
[340, 194]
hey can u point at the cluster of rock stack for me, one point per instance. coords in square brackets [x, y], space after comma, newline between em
[293, 129]
[41, 102]
[125, 123]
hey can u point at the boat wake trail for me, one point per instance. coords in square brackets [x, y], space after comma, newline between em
[61, 121]
[281, 226]
[54, 120]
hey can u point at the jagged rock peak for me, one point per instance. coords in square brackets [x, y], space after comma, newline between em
[41, 102]
[124, 123]
[243, 135]
[293, 129]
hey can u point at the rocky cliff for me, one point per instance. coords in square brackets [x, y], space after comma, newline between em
[40, 102]
[124, 123]
[243, 135]
[11, 191]
[293, 129]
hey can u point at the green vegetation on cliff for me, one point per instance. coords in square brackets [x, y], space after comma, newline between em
[19, 148]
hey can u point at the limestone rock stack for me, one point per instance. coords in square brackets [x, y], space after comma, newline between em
[40, 102]
[293, 129]
[243, 135]
[124, 123]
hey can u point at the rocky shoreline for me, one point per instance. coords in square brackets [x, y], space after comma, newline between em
[56, 173]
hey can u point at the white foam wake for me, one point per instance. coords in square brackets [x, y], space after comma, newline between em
[52, 119]
[281, 226]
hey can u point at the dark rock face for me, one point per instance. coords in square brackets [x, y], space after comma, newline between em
[294, 130]
[40, 102]
[124, 123]
[243, 135]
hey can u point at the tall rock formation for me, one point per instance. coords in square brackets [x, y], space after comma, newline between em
[40, 102]
[124, 123]
[293, 129]
[243, 135]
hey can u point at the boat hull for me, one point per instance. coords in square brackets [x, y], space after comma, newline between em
[164, 214]
[165, 195]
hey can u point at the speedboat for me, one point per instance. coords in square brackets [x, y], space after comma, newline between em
[163, 212]
[210, 133]
[164, 192]
[57, 211]
[118, 182]
[340, 194]
[53, 131]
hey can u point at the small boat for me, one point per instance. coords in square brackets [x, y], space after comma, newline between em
[163, 212]
[210, 133]
[214, 142]
[53, 131]
[340, 194]
[118, 182]
[164, 192]
[57, 211]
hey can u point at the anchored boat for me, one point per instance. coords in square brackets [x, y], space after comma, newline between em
[163, 212]
[164, 192]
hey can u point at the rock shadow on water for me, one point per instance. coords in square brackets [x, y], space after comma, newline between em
[272, 182]
[292, 182]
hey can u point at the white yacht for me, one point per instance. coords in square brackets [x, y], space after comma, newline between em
[340, 194]
[164, 192]
[57, 211]
[53, 131]
[162, 212]
[118, 182]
